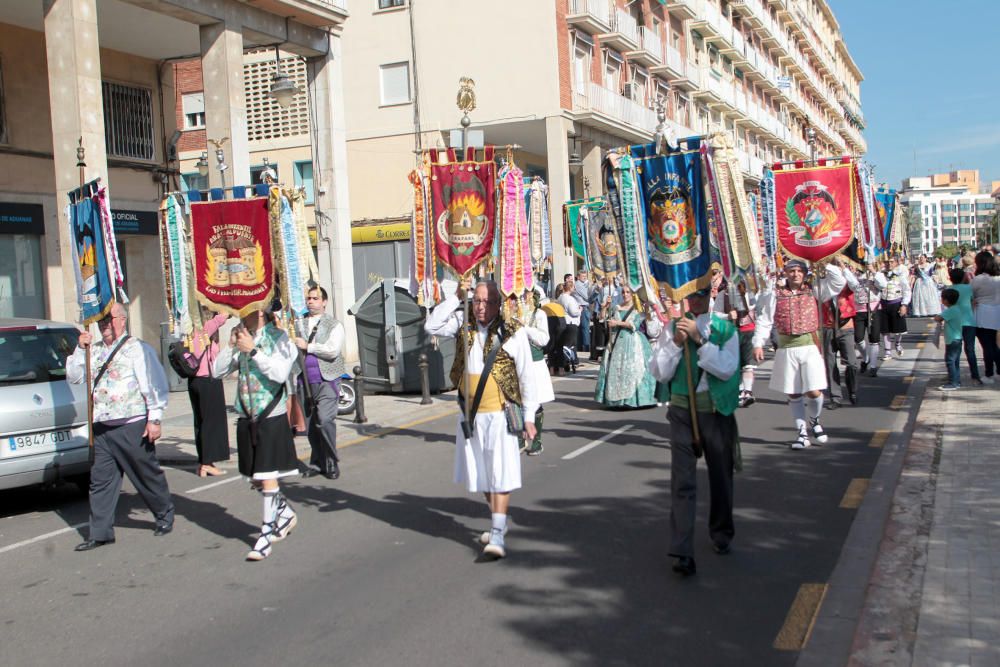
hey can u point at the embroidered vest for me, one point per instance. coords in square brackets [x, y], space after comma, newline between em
[725, 394]
[845, 306]
[329, 370]
[253, 388]
[893, 291]
[117, 395]
[504, 372]
[795, 313]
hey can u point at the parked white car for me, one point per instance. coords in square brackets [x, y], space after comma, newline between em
[43, 418]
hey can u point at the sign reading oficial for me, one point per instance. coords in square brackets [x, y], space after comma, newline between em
[396, 231]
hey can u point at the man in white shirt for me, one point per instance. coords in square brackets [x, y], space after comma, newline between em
[130, 393]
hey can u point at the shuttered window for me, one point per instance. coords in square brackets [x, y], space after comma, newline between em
[128, 121]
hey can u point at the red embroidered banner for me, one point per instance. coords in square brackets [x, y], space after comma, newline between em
[463, 199]
[814, 210]
[233, 263]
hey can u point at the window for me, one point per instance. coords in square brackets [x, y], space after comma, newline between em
[21, 287]
[257, 170]
[948, 207]
[612, 71]
[304, 178]
[965, 207]
[389, 4]
[194, 181]
[193, 105]
[395, 82]
[581, 66]
[128, 121]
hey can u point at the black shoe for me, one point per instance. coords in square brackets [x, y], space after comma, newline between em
[721, 549]
[163, 530]
[854, 398]
[93, 544]
[309, 472]
[333, 474]
[833, 404]
[873, 372]
[864, 366]
[685, 566]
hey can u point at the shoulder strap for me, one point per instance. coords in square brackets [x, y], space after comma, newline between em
[267, 409]
[312, 334]
[107, 362]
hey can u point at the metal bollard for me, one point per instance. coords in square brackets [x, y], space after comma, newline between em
[359, 397]
[425, 382]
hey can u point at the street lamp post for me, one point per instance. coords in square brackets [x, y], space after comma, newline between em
[811, 136]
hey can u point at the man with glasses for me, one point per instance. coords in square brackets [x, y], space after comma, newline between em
[323, 368]
[502, 401]
[130, 393]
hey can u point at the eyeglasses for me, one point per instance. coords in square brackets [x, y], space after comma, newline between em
[108, 320]
[484, 302]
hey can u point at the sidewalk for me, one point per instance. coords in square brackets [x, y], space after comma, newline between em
[931, 597]
[385, 412]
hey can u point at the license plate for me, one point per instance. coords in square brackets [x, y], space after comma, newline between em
[36, 442]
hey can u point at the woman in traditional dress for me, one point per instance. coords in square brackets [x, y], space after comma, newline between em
[941, 275]
[623, 380]
[926, 299]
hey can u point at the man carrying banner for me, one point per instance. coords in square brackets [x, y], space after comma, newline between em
[717, 385]
[324, 366]
[799, 370]
[263, 357]
[837, 289]
[130, 393]
[498, 363]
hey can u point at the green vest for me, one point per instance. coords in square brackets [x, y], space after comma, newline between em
[254, 388]
[724, 394]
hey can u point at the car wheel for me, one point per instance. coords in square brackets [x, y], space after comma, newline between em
[82, 481]
[347, 402]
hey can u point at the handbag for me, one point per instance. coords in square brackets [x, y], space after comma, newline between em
[514, 415]
[183, 361]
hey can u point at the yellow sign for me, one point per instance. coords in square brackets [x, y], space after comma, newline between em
[396, 231]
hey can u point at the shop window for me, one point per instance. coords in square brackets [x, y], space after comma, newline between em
[21, 291]
[193, 105]
[304, 178]
[128, 121]
[395, 83]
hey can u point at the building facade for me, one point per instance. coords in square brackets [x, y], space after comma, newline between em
[566, 80]
[937, 215]
[98, 73]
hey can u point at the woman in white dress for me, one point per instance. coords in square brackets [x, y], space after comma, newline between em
[926, 300]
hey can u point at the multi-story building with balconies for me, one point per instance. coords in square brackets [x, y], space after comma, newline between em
[945, 209]
[568, 79]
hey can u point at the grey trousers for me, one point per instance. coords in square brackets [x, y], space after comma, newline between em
[323, 427]
[118, 450]
[842, 344]
[717, 435]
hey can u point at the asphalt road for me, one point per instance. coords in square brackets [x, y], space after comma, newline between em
[383, 567]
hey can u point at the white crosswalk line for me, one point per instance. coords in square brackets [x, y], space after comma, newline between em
[595, 443]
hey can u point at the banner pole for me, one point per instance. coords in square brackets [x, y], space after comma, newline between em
[695, 434]
[80, 154]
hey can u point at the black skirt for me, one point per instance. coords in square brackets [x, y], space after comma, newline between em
[211, 428]
[892, 321]
[270, 449]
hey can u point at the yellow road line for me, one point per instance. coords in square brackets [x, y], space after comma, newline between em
[384, 431]
[908, 379]
[920, 345]
[879, 437]
[897, 402]
[794, 634]
[855, 494]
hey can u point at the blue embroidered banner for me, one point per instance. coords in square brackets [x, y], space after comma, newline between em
[671, 190]
[885, 207]
[92, 266]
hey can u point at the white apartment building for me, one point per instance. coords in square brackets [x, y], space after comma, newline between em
[568, 79]
[938, 215]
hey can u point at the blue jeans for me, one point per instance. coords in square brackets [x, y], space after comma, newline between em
[969, 343]
[583, 343]
[952, 353]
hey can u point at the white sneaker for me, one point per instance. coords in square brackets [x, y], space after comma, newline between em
[886, 357]
[495, 549]
[484, 537]
[818, 432]
[802, 442]
[987, 379]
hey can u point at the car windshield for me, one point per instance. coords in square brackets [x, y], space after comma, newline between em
[28, 356]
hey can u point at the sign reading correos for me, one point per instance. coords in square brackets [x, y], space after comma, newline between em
[397, 231]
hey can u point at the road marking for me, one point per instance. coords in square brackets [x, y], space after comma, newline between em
[908, 379]
[24, 543]
[897, 402]
[390, 429]
[234, 478]
[855, 493]
[920, 345]
[879, 438]
[595, 443]
[794, 634]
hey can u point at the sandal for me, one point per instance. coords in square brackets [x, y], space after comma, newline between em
[283, 525]
[262, 549]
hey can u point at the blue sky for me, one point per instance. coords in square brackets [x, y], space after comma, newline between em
[930, 83]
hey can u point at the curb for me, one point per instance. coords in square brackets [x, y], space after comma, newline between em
[840, 616]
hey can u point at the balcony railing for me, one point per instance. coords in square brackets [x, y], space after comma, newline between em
[599, 99]
[598, 11]
[624, 24]
[651, 43]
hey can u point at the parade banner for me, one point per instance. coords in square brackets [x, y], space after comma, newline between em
[536, 198]
[294, 262]
[603, 244]
[99, 281]
[768, 215]
[183, 311]
[814, 210]
[463, 200]
[576, 214]
[233, 260]
[624, 197]
[672, 192]
[515, 257]
[885, 211]
[422, 265]
[735, 215]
